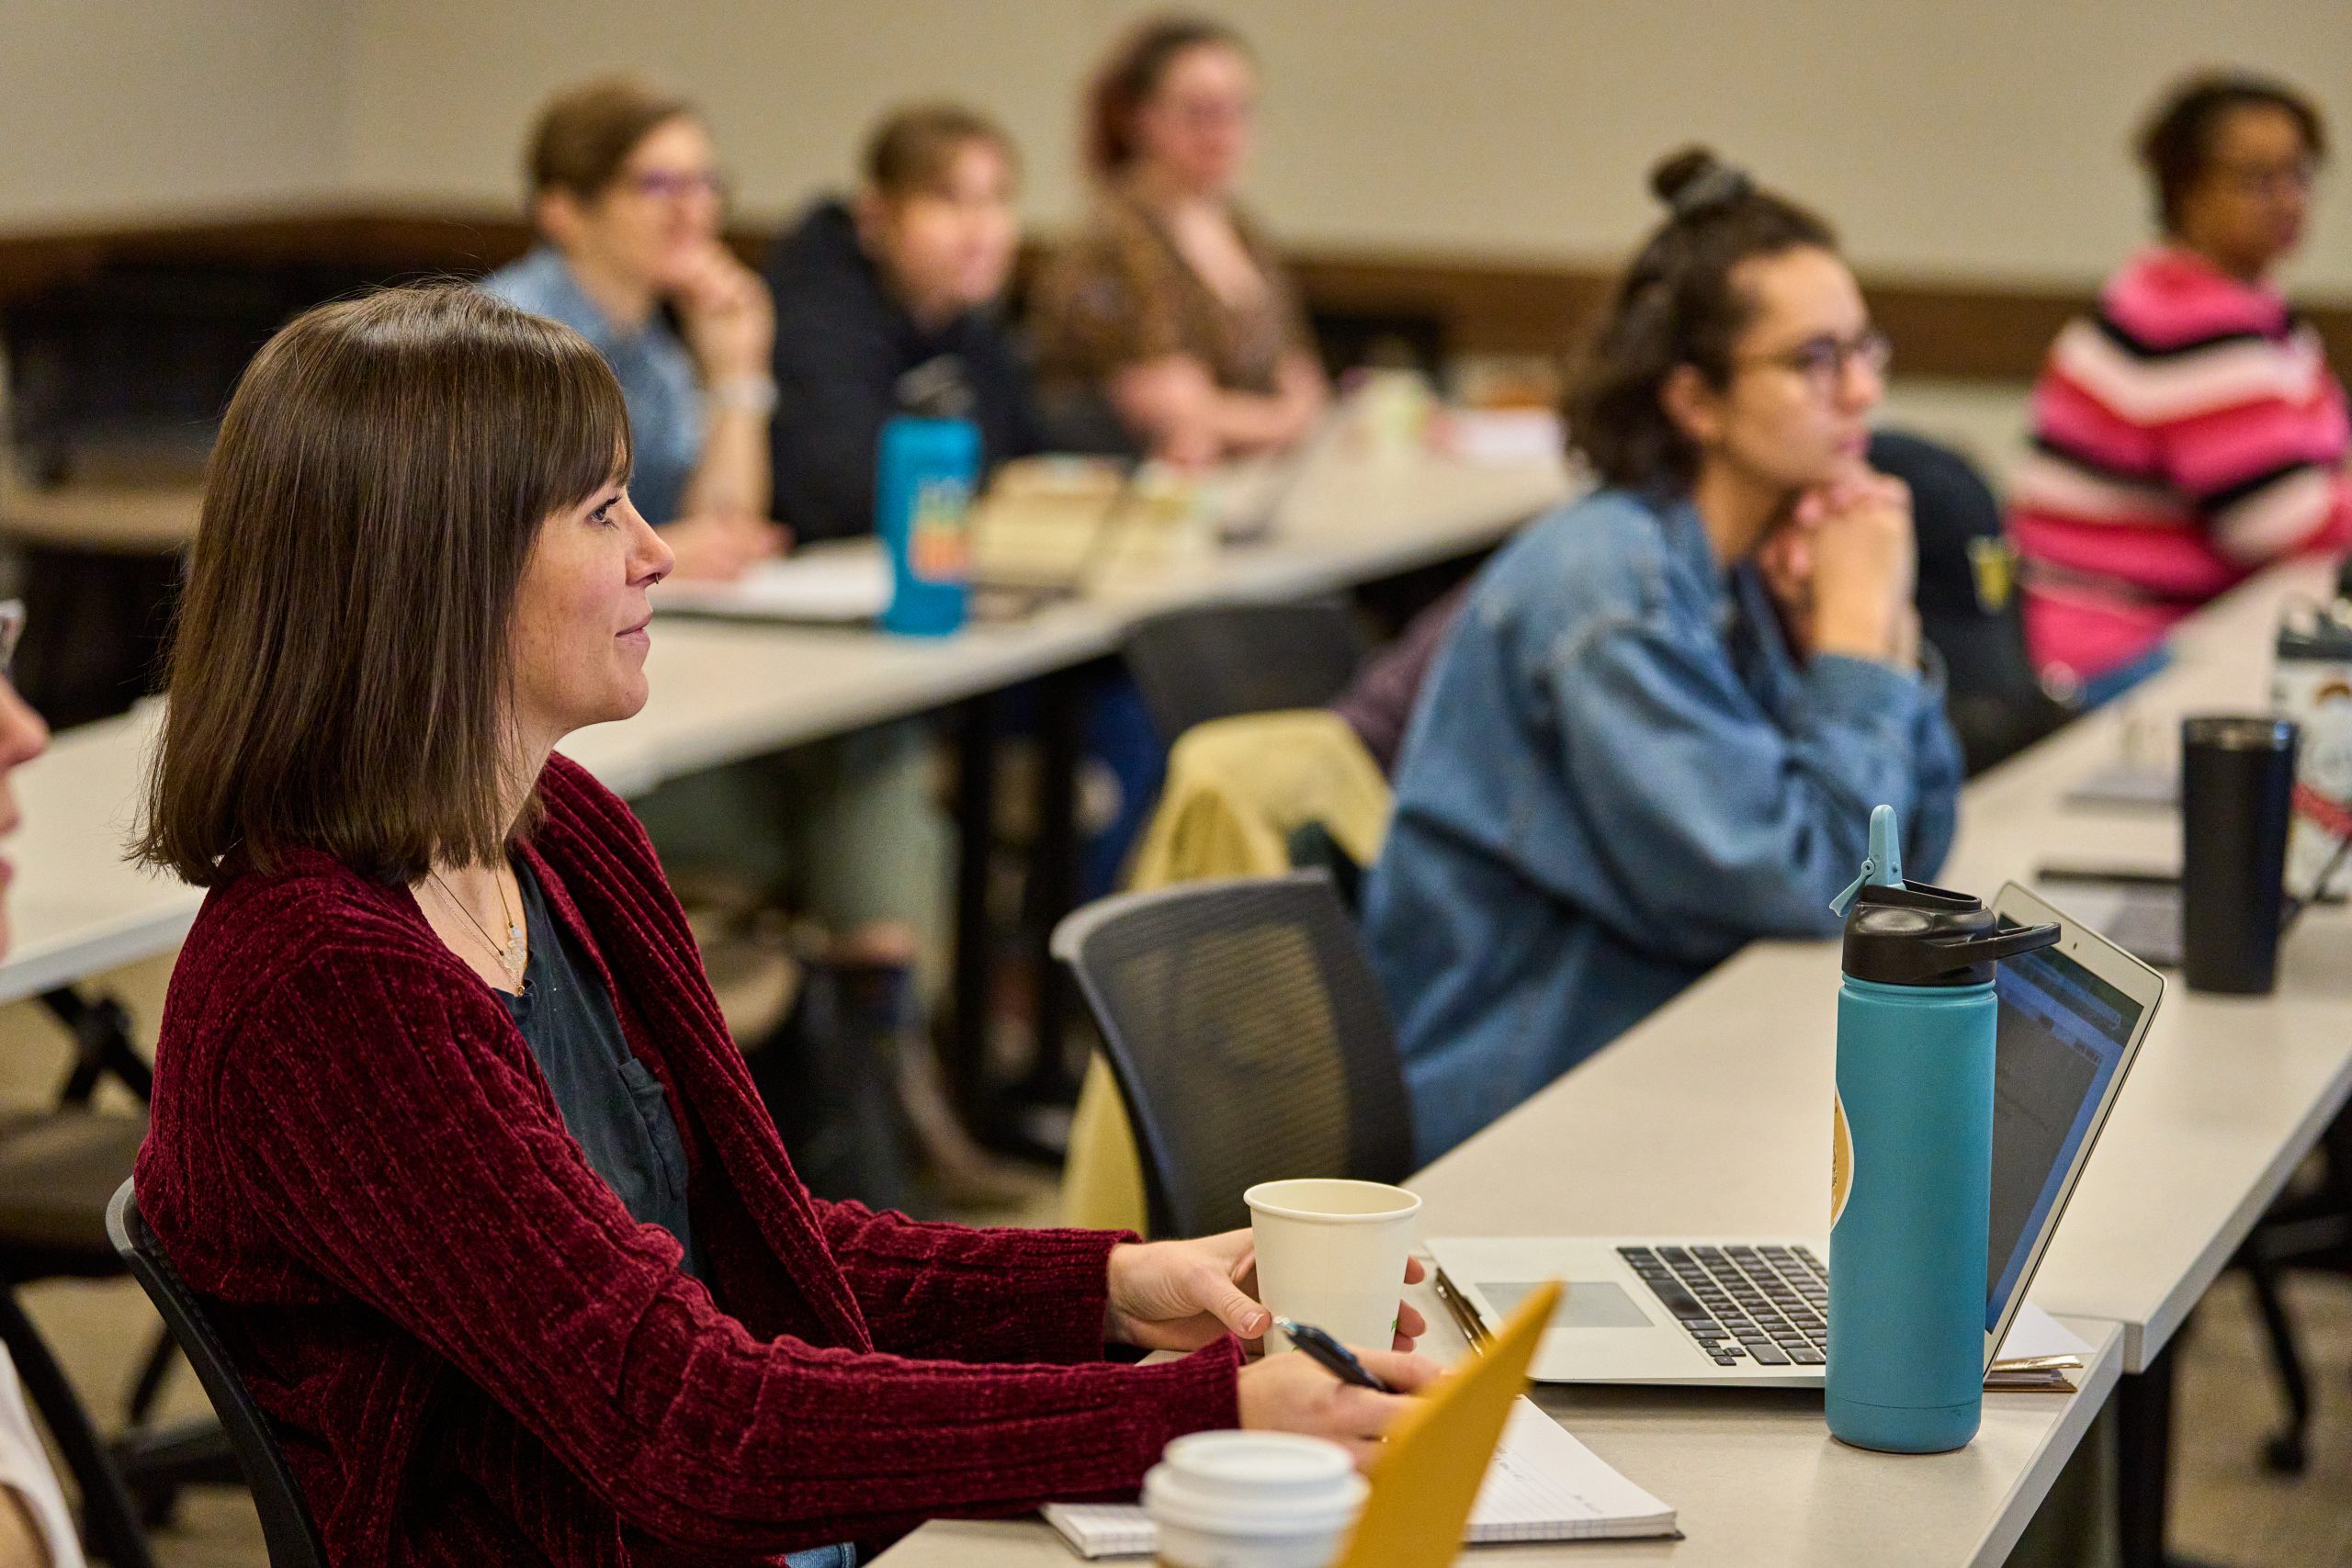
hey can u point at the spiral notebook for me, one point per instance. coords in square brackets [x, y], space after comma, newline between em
[1543, 1485]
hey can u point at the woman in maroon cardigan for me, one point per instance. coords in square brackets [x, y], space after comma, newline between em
[446, 1125]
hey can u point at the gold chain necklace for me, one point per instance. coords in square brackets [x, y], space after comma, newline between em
[512, 957]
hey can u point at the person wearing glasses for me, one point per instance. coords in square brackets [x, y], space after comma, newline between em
[627, 200]
[1660, 724]
[1171, 305]
[2189, 430]
[35, 1530]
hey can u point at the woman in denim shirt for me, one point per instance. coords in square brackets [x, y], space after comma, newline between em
[1659, 726]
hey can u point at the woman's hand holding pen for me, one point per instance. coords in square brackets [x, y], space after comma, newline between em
[1179, 1295]
[1290, 1394]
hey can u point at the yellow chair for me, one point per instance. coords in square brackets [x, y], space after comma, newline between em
[1236, 789]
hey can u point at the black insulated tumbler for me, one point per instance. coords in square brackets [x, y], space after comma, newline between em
[2237, 780]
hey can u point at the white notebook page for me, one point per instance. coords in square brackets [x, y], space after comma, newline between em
[1543, 1485]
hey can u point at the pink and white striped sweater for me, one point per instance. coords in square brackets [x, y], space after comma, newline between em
[2186, 432]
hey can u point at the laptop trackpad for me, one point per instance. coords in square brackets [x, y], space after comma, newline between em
[1584, 1304]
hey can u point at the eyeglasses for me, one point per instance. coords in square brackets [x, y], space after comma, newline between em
[1208, 113]
[1823, 361]
[677, 184]
[2268, 179]
[11, 628]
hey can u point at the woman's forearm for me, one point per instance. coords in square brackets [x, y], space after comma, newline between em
[732, 479]
[1255, 422]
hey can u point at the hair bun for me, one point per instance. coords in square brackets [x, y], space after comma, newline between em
[1693, 179]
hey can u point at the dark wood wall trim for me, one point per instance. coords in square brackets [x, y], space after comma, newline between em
[1940, 327]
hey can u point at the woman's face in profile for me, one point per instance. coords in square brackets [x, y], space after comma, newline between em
[23, 737]
[1195, 126]
[583, 622]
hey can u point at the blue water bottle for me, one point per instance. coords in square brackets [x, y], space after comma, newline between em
[1911, 1173]
[928, 471]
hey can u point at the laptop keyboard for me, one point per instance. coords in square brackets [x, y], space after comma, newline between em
[1765, 1304]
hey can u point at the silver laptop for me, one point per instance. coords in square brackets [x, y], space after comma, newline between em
[1752, 1311]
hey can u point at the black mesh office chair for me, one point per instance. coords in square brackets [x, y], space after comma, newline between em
[1216, 661]
[1248, 1038]
[57, 1169]
[286, 1527]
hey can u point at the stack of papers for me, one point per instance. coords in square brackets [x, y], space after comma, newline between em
[1543, 1485]
[827, 587]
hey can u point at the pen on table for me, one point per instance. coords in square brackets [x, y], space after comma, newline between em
[1465, 1317]
[1330, 1355]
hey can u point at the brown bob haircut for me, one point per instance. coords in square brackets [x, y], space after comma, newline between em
[1680, 303]
[586, 132]
[2177, 140]
[1131, 74]
[340, 670]
[912, 150]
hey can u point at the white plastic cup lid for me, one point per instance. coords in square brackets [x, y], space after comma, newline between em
[1254, 1484]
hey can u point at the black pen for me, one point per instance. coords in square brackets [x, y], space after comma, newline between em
[1330, 1355]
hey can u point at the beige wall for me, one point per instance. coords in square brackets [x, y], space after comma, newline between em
[124, 109]
[1951, 137]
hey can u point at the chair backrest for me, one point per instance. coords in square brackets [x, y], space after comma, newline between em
[1216, 661]
[1967, 597]
[286, 1526]
[1248, 1037]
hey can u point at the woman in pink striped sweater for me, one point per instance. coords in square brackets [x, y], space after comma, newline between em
[2188, 431]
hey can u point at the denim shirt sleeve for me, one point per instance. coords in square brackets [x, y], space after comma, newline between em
[1726, 825]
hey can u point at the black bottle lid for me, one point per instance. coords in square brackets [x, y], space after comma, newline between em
[1918, 935]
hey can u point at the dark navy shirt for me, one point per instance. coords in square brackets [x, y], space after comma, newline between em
[611, 1103]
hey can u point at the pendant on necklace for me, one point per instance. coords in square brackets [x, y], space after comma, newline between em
[511, 955]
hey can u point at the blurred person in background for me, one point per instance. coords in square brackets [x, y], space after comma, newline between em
[2189, 431]
[1172, 306]
[36, 1530]
[627, 200]
[887, 303]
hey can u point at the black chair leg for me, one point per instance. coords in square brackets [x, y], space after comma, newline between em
[2284, 1451]
[101, 1032]
[109, 1520]
[160, 1356]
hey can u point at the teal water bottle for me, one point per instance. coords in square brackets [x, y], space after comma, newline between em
[1911, 1173]
[928, 471]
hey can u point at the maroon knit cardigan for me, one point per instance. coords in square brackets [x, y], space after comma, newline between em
[471, 1352]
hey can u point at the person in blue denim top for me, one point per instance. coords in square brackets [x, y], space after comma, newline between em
[1659, 726]
[626, 197]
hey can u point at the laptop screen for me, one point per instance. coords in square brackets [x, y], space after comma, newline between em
[2063, 1035]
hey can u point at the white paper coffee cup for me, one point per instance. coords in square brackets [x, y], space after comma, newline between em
[1331, 1255]
[1252, 1500]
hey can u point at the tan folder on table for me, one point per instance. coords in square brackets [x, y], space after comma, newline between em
[1424, 1485]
